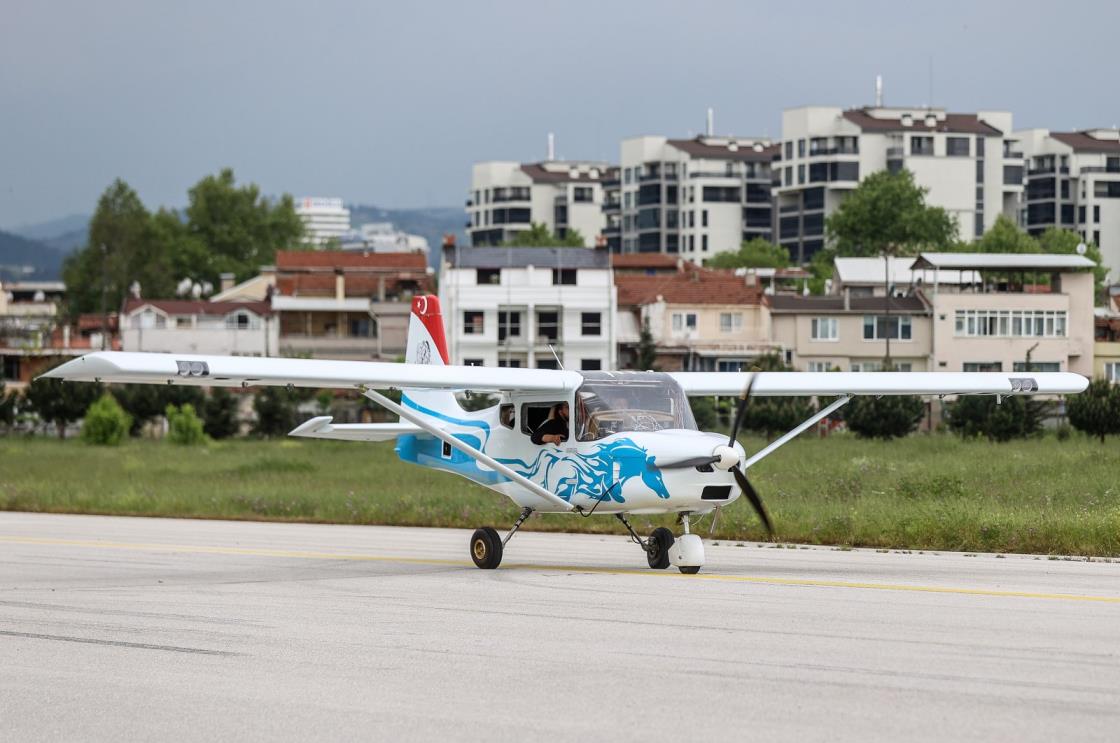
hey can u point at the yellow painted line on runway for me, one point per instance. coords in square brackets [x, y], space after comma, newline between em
[361, 557]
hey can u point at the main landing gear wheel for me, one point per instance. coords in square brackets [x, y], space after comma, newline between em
[486, 548]
[657, 549]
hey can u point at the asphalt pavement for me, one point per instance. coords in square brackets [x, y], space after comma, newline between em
[118, 628]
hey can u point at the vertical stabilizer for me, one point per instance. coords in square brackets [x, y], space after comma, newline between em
[427, 344]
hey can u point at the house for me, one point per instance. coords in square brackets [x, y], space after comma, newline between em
[699, 319]
[1106, 345]
[529, 307]
[198, 326]
[864, 277]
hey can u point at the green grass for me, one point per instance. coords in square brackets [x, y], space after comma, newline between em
[936, 492]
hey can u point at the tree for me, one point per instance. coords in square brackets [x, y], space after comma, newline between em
[122, 247]
[887, 417]
[538, 236]
[183, 426]
[1055, 240]
[647, 349]
[241, 229]
[887, 213]
[219, 414]
[756, 253]
[146, 402]
[106, 423]
[1004, 237]
[1096, 411]
[277, 410]
[60, 403]
[7, 406]
[1013, 417]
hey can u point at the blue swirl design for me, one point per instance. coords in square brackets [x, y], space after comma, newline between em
[594, 474]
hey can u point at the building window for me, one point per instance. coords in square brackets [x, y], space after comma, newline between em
[1097, 214]
[879, 327]
[548, 326]
[1010, 323]
[684, 321]
[957, 146]
[1112, 372]
[1037, 366]
[509, 363]
[982, 366]
[818, 366]
[591, 323]
[877, 366]
[725, 365]
[789, 150]
[921, 145]
[590, 364]
[509, 325]
[563, 277]
[627, 175]
[730, 322]
[473, 323]
[583, 194]
[704, 218]
[787, 176]
[801, 148]
[473, 362]
[823, 329]
[704, 242]
[547, 363]
[488, 276]
[801, 174]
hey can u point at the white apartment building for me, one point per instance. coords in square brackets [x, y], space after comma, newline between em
[506, 306]
[323, 219]
[970, 163]
[1073, 182]
[508, 197]
[383, 237]
[696, 197]
[198, 326]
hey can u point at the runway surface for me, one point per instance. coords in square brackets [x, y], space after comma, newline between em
[116, 628]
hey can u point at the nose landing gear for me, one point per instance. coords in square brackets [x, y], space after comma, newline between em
[663, 550]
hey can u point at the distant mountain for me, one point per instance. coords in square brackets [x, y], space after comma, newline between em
[17, 251]
[53, 228]
[432, 223]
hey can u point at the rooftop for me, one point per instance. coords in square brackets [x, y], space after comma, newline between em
[558, 171]
[871, 271]
[781, 303]
[195, 306]
[727, 148]
[692, 286]
[889, 120]
[297, 260]
[645, 260]
[1086, 142]
[515, 257]
[1004, 261]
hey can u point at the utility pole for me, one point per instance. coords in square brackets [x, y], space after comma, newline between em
[104, 294]
[887, 269]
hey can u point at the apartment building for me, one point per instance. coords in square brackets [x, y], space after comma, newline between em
[1073, 182]
[699, 319]
[694, 197]
[853, 332]
[324, 219]
[1106, 346]
[508, 197]
[970, 163]
[33, 337]
[198, 326]
[344, 305]
[529, 307]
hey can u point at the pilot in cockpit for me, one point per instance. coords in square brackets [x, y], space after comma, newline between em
[554, 430]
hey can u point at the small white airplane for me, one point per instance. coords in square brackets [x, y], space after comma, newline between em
[588, 442]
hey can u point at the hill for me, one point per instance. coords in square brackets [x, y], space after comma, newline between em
[45, 262]
[432, 223]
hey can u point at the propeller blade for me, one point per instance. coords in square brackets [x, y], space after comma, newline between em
[741, 411]
[685, 463]
[752, 496]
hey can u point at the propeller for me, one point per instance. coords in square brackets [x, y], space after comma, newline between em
[737, 470]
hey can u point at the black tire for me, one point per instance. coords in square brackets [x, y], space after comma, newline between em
[689, 569]
[486, 548]
[659, 542]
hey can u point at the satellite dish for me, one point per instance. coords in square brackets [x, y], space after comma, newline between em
[1082, 248]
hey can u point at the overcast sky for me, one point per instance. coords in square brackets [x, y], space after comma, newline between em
[390, 103]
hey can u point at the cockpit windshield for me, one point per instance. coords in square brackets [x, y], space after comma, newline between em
[614, 402]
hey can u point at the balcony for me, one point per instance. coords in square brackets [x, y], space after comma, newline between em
[714, 174]
[1101, 169]
[1012, 155]
[894, 153]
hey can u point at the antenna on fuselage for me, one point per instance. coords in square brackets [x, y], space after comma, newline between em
[557, 357]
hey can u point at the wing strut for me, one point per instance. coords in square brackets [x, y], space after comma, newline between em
[470, 451]
[836, 405]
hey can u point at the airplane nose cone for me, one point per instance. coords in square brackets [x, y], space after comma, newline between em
[728, 457]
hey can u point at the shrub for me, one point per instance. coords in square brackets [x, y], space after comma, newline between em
[146, 402]
[183, 426]
[980, 415]
[1096, 411]
[774, 415]
[276, 409]
[58, 402]
[219, 414]
[887, 417]
[106, 423]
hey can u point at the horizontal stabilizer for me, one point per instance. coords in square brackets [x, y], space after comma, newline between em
[322, 428]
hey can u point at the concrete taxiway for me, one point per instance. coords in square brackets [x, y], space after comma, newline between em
[116, 628]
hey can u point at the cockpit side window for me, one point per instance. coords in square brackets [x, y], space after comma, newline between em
[506, 414]
[620, 402]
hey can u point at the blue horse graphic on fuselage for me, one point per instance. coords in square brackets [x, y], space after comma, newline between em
[599, 474]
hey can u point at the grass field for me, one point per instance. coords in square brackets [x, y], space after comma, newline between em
[934, 492]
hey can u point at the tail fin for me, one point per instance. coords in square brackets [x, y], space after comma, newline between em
[427, 344]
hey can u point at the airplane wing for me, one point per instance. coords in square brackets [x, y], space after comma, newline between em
[251, 371]
[777, 384]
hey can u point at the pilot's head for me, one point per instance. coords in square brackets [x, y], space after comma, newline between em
[562, 411]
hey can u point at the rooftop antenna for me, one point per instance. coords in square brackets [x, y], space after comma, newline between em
[878, 91]
[931, 81]
[551, 146]
[710, 130]
[555, 356]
